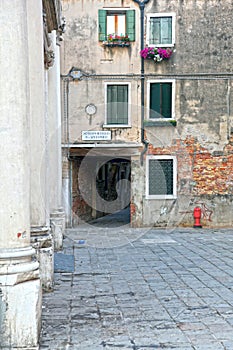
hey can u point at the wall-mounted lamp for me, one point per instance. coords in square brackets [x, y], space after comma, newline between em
[75, 73]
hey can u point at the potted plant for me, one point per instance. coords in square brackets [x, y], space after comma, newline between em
[157, 54]
[117, 40]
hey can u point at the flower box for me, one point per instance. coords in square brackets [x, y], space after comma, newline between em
[117, 40]
[157, 54]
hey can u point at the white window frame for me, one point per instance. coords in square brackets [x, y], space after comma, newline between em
[106, 125]
[163, 196]
[163, 14]
[149, 82]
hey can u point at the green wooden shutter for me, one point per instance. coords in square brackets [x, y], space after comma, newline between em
[111, 104]
[130, 24]
[166, 101]
[122, 104]
[117, 104]
[155, 97]
[155, 31]
[166, 30]
[102, 25]
[161, 100]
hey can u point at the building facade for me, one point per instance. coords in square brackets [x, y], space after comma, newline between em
[147, 118]
[31, 213]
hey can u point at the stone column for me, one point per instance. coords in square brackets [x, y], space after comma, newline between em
[41, 237]
[20, 287]
[57, 215]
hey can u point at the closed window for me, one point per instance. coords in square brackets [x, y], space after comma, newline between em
[161, 96]
[116, 22]
[161, 30]
[161, 177]
[117, 104]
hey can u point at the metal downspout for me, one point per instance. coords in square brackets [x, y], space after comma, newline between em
[143, 140]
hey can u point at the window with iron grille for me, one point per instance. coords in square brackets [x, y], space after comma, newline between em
[117, 104]
[161, 177]
[161, 29]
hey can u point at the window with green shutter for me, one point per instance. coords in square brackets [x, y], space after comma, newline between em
[161, 30]
[130, 24]
[102, 25]
[117, 104]
[117, 22]
[161, 177]
[160, 100]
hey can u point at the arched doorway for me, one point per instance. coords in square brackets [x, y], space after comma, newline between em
[101, 189]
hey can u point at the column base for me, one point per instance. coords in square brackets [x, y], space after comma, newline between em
[42, 241]
[20, 299]
[57, 222]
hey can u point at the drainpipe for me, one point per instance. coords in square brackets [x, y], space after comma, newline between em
[142, 4]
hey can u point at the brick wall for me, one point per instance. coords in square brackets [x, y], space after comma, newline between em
[204, 179]
[80, 209]
[208, 173]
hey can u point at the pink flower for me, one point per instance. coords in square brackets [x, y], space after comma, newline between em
[164, 53]
[144, 52]
[157, 54]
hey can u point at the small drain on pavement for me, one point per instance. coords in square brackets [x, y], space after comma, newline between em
[159, 240]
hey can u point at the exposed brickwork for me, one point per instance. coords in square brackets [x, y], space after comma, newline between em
[81, 210]
[132, 210]
[209, 173]
[184, 163]
[212, 173]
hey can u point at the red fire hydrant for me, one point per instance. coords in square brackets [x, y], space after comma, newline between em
[197, 217]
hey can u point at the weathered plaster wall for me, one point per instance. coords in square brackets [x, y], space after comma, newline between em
[202, 46]
[81, 44]
[82, 49]
[203, 34]
[201, 66]
[202, 110]
[201, 140]
[205, 111]
[85, 92]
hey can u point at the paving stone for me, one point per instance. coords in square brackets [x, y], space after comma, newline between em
[160, 291]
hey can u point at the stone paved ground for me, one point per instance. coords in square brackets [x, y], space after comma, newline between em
[142, 289]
